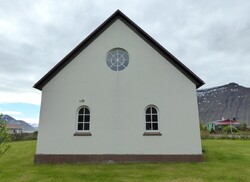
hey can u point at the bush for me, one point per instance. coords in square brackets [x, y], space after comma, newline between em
[243, 127]
[24, 136]
[205, 134]
[227, 129]
[4, 137]
[202, 127]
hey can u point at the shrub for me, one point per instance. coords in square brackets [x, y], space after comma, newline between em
[205, 134]
[24, 136]
[243, 127]
[202, 127]
[4, 137]
[227, 129]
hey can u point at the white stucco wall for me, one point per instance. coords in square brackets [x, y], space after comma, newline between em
[117, 101]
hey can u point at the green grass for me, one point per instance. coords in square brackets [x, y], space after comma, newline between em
[225, 160]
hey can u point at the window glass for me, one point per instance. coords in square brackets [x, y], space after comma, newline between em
[80, 126]
[87, 118]
[86, 126]
[148, 110]
[154, 118]
[155, 126]
[87, 111]
[80, 118]
[154, 110]
[148, 118]
[81, 111]
[148, 126]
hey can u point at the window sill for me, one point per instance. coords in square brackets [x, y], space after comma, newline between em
[82, 134]
[152, 134]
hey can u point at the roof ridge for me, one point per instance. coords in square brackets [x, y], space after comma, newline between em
[99, 30]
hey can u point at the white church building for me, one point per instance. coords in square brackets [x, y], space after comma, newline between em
[119, 96]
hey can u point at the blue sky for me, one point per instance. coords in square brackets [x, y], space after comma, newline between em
[21, 111]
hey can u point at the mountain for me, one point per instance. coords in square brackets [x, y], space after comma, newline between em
[25, 126]
[34, 125]
[227, 101]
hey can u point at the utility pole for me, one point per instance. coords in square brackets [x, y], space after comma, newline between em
[229, 112]
[230, 117]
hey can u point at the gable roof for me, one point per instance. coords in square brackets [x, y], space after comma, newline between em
[141, 33]
[13, 126]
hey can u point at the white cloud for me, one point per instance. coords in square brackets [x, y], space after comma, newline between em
[26, 97]
[13, 113]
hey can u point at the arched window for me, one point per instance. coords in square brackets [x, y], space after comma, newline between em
[151, 117]
[83, 123]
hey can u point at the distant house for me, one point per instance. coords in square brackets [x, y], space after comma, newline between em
[119, 96]
[219, 124]
[14, 129]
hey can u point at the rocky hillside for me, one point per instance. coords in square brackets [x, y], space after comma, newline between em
[227, 101]
[25, 126]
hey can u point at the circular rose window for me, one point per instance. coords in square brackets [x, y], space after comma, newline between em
[117, 59]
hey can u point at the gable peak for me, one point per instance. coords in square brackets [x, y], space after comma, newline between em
[118, 14]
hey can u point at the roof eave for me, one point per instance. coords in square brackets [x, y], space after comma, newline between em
[72, 54]
[140, 32]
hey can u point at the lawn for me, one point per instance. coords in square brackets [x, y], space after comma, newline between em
[225, 160]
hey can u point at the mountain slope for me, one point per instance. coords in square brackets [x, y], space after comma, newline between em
[228, 101]
[25, 126]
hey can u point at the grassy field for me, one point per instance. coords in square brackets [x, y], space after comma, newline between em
[225, 160]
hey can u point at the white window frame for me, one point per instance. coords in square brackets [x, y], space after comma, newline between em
[77, 119]
[158, 119]
[121, 61]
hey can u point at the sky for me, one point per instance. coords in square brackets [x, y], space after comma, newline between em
[212, 38]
